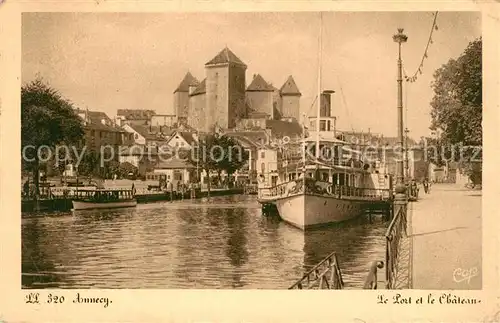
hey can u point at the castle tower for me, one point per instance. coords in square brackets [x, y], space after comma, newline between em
[259, 96]
[225, 89]
[181, 95]
[197, 117]
[290, 99]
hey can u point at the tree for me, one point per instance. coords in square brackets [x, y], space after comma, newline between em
[89, 163]
[457, 106]
[218, 153]
[235, 156]
[457, 102]
[200, 156]
[47, 120]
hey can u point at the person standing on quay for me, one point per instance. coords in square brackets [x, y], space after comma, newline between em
[426, 186]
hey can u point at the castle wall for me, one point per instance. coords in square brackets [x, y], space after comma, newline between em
[260, 101]
[236, 105]
[197, 117]
[291, 106]
[277, 105]
[181, 104]
[217, 97]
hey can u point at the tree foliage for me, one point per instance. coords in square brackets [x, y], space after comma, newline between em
[457, 102]
[47, 120]
[46, 117]
[235, 156]
[216, 152]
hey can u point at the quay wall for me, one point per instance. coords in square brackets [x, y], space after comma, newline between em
[65, 204]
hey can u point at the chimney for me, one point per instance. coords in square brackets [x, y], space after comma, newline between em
[254, 76]
[326, 103]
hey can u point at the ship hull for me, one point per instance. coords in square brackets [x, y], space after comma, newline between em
[308, 211]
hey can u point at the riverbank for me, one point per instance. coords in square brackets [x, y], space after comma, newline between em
[64, 204]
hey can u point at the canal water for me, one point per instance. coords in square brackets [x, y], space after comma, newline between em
[223, 242]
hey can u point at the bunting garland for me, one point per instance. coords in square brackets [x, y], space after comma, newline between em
[420, 68]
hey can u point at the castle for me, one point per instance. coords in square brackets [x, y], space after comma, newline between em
[222, 100]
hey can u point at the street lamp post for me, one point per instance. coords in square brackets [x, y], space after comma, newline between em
[400, 38]
[407, 156]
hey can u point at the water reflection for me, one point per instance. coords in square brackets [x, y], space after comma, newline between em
[225, 243]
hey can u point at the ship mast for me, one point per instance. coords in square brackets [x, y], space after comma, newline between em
[318, 110]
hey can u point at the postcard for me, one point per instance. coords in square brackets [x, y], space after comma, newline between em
[255, 161]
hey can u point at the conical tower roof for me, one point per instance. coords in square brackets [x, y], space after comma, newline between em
[225, 56]
[259, 85]
[290, 87]
[188, 80]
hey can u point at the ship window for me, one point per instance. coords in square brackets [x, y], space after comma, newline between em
[328, 125]
[322, 125]
[263, 154]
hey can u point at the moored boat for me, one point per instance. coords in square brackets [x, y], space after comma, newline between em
[103, 199]
[326, 194]
[333, 183]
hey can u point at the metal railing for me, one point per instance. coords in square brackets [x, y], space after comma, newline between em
[325, 275]
[393, 235]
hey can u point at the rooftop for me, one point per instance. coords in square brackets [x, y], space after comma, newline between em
[153, 132]
[290, 87]
[174, 163]
[135, 114]
[95, 120]
[259, 85]
[225, 56]
[188, 81]
[201, 88]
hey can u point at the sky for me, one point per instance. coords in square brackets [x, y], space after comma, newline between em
[110, 61]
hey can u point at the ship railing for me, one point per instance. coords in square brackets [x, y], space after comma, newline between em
[324, 188]
[325, 275]
[395, 232]
[283, 189]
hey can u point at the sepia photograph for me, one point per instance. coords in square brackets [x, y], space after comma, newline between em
[252, 150]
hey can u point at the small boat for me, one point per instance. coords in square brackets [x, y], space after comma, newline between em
[103, 199]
